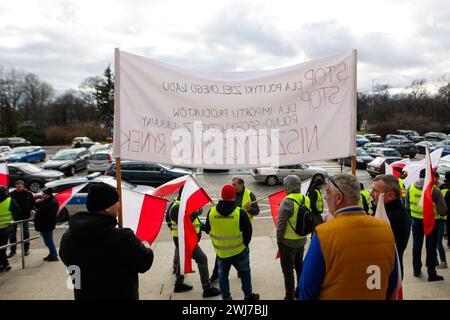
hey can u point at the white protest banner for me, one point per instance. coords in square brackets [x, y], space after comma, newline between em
[188, 118]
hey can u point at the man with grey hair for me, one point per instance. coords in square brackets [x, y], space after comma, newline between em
[290, 244]
[396, 212]
[344, 250]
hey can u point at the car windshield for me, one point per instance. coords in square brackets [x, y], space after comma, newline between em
[30, 168]
[19, 150]
[359, 137]
[361, 153]
[64, 156]
[391, 153]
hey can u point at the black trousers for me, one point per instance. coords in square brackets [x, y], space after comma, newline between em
[291, 259]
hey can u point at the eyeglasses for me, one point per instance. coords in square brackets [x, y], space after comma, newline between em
[335, 184]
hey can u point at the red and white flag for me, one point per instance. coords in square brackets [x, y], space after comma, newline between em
[142, 213]
[170, 187]
[192, 198]
[4, 174]
[65, 196]
[380, 213]
[426, 199]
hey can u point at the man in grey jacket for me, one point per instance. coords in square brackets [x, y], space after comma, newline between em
[412, 198]
[290, 244]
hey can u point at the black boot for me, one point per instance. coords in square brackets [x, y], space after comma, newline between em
[182, 287]
[211, 292]
[12, 254]
[252, 297]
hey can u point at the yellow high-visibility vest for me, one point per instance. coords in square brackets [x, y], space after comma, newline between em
[246, 199]
[301, 199]
[6, 217]
[225, 233]
[414, 198]
[174, 228]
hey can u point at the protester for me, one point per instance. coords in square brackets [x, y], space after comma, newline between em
[398, 217]
[413, 195]
[9, 210]
[364, 200]
[45, 221]
[198, 255]
[27, 204]
[246, 200]
[444, 190]
[336, 265]
[440, 232]
[109, 258]
[316, 199]
[230, 230]
[401, 182]
[290, 244]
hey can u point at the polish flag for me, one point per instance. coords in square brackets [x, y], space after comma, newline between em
[413, 168]
[380, 213]
[65, 196]
[170, 187]
[192, 198]
[142, 213]
[4, 174]
[426, 201]
[396, 167]
[275, 201]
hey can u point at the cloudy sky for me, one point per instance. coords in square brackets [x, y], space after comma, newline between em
[66, 41]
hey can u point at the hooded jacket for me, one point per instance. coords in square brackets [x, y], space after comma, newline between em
[45, 218]
[291, 185]
[109, 258]
[225, 208]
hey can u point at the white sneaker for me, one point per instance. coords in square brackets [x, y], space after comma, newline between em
[443, 265]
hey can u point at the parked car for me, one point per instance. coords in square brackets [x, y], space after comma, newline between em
[405, 147]
[373, 137]
[373, 145]
[98, 147]
[383, 152]
[436, 136]
[100, 161]
[26, 154]
[33, 176]
[14, 142]
[362, 159]
[377, 166]
[396, 137]
[78, 202]
[411, 135]
[442, 170]
[3, 151]
[69, 161]
[361, 140]
[420, 146]
[82, 142]
[149, 174]
[445, 161]
[446, 148]
[272, 176]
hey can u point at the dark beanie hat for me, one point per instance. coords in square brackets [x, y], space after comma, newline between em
[101, 196]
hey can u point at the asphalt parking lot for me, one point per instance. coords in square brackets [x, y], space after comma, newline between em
[213, 182]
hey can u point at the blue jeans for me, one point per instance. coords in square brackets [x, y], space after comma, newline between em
[26, 235]
[430, 244]
[48, 240]
[241, 262]
[441, 225]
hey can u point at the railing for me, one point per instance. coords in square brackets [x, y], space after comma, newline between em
[22, 241]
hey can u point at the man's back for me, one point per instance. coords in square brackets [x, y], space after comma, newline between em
[351, 244]
[109, 258]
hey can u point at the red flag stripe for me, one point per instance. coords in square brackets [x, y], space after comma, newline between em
[150, 218]
[4, 179]
[428, 209]
[169, 188]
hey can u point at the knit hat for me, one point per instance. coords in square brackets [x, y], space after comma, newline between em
[20, 182]
[48, 191]
[228, 192]
[101, 196]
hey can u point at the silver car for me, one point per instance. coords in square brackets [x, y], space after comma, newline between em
[78, 202]
[272, 176]
[100, 161]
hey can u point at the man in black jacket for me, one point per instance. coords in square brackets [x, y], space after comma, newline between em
[225, 211]
[27, 204]
[108, 258]
[45, 221]
[398, 216]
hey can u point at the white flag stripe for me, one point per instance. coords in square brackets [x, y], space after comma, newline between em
[413, 168]
[131, 208]
[428, 174]
[189, 188]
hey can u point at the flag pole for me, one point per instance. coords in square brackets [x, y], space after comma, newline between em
[355, 103]
[116, 137]
[354, 165]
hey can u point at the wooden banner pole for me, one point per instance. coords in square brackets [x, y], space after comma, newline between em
[354, 165]
[119, 190]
